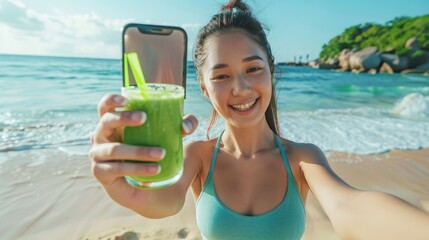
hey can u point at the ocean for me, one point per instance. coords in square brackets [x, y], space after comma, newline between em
[50, 102]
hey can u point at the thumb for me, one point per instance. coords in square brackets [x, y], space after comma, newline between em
[190, 123]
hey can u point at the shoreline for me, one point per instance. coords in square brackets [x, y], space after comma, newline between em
[49, 194]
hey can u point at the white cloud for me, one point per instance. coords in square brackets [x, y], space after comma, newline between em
[26, 31]
[15, 14]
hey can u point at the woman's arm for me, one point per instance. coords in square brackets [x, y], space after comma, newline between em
[357, 214]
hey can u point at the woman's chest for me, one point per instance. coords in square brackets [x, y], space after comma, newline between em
[252, 186]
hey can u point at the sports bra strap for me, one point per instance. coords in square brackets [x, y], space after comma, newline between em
[284, 156]
[214, 156]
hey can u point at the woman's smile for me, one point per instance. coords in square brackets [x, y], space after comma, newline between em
[244, 108]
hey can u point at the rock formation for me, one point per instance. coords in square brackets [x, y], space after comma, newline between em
[371, 60]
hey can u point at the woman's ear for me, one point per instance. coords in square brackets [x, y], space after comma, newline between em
[204, 90]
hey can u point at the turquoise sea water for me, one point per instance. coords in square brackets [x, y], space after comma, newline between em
[50, 102]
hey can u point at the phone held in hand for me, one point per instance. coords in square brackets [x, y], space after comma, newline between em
[154, 59]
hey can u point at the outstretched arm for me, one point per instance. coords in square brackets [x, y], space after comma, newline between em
[357, 214]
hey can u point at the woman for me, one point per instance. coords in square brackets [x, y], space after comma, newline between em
[248, 183]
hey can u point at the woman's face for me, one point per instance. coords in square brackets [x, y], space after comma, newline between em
[236, 78]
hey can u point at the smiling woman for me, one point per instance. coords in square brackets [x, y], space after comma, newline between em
[248, 183]
[374, 129]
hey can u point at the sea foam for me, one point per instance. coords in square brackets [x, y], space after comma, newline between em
[361, 130]
[412, 105]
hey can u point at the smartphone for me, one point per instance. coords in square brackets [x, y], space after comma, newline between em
[161, 51]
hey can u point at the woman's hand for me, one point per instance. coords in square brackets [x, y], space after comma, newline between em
[107, 152]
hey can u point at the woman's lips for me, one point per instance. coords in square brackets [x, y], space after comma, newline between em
[245, 107]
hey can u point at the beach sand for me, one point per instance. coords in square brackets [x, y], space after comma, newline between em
[50, 194]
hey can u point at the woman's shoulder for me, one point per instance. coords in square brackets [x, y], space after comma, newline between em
[199, 152]
[303, 152]
[199, 148]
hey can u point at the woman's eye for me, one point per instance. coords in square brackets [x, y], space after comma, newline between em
[220, 77]
[254, 69]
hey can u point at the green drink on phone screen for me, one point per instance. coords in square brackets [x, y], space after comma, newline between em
[163, 105]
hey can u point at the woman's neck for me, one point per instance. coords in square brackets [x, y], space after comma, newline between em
[244, 143]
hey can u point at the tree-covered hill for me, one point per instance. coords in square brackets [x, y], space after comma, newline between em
[391, 36]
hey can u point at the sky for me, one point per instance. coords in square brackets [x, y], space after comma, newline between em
[92, 28]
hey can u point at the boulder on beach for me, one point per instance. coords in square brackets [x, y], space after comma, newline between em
[386, 68]
[313, 64]
[372, 71]
[424, 67]
[343, 58]
[395, 62]
[331, 63]
[365, 59]
[418, 60]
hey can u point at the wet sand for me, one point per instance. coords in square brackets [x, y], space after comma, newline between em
[49, 194]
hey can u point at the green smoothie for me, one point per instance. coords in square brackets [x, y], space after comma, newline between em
[163, 105]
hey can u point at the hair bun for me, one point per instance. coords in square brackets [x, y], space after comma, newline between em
[235, 4]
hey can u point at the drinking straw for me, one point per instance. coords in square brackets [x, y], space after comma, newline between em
[132, 59]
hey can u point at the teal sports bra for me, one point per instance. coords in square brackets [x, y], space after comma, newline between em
[217, 221]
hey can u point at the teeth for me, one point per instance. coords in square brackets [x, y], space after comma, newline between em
[244, 107]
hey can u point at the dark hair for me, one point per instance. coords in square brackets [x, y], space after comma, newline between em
[236, 15]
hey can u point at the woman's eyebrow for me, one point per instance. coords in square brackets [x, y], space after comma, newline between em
[248, 59]
[218, 66]
[251, 58]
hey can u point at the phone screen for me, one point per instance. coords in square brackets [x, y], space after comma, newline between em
[161, 51]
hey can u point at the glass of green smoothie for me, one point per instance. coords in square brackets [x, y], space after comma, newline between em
[163, 105]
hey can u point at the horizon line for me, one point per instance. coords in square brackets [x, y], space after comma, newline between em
[82, 57]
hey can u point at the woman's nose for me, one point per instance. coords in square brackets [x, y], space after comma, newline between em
[241, 86]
